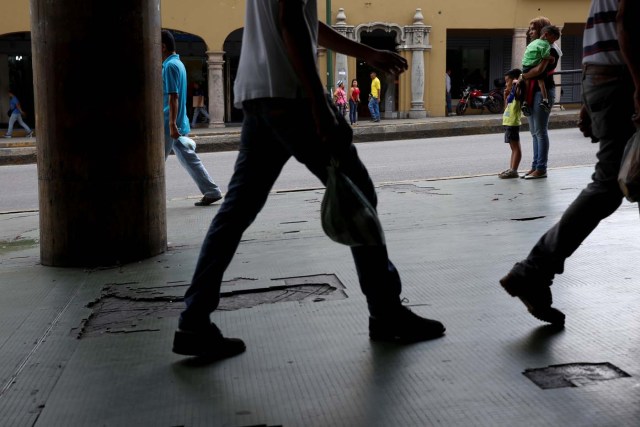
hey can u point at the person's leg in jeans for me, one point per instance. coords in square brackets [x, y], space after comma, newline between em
[194, 167]
[12, 121]
[273, 130]
[353, 111]
[371, 109]
[378, 277]
[610, 108]
[540, 126]
[376, 108]
[534, 144]
[196, 113]
[23, 124]
[260, 160]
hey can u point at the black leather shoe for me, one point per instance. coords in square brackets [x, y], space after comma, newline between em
[206, 201]
[207, 343]
[535, 296]
[403, 326]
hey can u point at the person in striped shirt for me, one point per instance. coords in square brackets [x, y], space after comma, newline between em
[610, 115]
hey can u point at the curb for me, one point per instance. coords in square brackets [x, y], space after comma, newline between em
[228, 139]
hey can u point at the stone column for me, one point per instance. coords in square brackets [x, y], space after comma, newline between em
[417, 41]
[518, 46]
[216, 89]
[341, 69]
[101, 190]
[558, 77]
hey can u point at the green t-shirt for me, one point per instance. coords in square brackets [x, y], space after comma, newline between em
[536, 51]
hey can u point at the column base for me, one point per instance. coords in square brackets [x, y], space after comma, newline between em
[417, 114]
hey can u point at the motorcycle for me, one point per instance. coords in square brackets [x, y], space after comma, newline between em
[474, 98]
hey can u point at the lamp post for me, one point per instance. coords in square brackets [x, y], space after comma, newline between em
[329, 58]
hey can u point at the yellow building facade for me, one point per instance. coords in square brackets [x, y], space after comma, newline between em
[478, 39]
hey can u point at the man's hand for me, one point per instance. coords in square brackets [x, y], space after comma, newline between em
[584, 124]
[173, 130]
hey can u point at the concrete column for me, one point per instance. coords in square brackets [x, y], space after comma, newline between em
[558, 77]
[100, 152]
[417, 85]
[417, 41]
[341, 70]
[216, 89]
[518, 46]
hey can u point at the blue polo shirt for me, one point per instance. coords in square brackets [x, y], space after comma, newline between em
[13, 104]
[174, 80]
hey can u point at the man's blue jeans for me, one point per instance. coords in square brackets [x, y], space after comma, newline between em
[273, 131]
[539, 127]
[374, 108]
[608, 95]
[193, 165]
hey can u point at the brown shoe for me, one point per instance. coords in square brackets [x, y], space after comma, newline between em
[536, 175]
[535, 296]
[529, 172]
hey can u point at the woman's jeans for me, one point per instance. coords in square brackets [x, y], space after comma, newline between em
[353, 111]
[607, 93]
[539, 127]
[274, 130]
[16, 117]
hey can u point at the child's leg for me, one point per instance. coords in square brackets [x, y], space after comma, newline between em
[516, 154]
[543, 89]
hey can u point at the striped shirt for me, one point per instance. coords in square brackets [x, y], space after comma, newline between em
[600, 41]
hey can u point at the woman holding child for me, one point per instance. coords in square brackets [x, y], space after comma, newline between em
[539, 119]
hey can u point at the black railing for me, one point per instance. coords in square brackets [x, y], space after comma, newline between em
[574, 83]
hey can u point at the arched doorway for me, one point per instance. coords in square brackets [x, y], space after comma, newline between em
[231, 47]
[16, 72]
[193, 54]
[385, 40]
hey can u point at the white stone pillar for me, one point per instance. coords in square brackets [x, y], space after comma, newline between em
[417, 85]
[341, 68]
[558, 77]
[216, 89]
[417, 39]
[518, 46]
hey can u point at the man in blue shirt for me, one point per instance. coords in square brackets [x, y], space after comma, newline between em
[176, 123]
[15, 115]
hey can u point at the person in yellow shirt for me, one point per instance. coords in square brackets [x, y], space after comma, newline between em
[374, 97]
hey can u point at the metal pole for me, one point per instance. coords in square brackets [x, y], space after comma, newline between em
[329, 56]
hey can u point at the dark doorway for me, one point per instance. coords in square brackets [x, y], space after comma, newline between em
[231, 47]
[380, 39]
[17, 47]
[193, 54]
